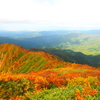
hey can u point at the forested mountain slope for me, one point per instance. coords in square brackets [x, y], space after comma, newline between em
[65, 55]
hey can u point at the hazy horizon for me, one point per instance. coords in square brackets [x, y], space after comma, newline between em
[44, 15]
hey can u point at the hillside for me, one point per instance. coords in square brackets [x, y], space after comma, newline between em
[65, 55]
[27, 75]
[85, 43]
[71, 56]
[19, 60]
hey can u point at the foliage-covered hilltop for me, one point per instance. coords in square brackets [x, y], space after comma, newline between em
[26, 75]
[19, 60]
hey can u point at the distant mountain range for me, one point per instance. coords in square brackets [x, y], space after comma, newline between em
[81, 47]
[85, 43]
[77, 41]
[30, 34]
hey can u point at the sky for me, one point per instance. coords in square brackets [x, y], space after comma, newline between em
[41, 15]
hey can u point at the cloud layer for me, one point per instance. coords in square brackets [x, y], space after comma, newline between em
[58, 13]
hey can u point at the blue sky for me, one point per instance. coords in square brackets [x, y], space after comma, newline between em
[37, 15]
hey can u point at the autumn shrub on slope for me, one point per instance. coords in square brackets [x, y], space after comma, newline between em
[16, 59]
[40, 76]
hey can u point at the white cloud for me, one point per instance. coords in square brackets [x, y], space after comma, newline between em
[50, 12]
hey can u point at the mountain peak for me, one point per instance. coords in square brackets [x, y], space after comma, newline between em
[16, 59]
[11, 47]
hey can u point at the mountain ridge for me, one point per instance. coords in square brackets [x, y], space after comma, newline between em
[25, 75]
[16, 59]
[70, 56]
[13, 57]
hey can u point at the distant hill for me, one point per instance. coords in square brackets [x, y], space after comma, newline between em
[85, 43]
[13, 41]
[30, 34]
